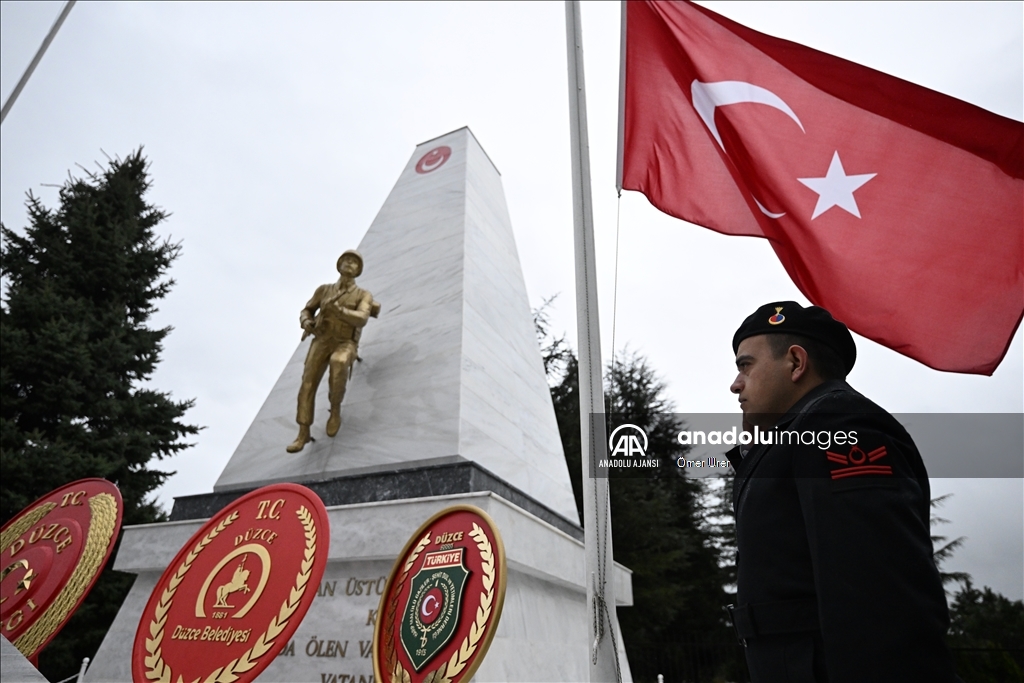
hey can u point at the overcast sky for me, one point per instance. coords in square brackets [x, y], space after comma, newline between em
[276, 131]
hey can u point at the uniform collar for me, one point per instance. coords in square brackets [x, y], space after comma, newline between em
[741, 462]
[825, 387]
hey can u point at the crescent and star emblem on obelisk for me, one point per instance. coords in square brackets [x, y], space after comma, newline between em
[836, 188]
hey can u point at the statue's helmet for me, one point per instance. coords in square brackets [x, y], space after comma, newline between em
[358, 257]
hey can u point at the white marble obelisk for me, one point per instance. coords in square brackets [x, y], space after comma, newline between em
[14, 668]
[451, 392]
[450, 368]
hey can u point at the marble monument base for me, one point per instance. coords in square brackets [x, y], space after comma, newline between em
[542, 635]
[14, 668]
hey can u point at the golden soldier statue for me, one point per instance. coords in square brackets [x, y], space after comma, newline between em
[344, 309]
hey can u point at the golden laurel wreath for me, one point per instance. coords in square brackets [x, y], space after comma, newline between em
[103, 508]
[23, 524]
[158, 670]
[459, 659]
[398, 674]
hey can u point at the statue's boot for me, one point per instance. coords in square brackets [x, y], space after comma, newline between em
[300, 441]
[334, 422]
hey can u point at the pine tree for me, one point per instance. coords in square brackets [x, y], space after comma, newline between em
[79, 289]
[676, 622]
[660, 531]
[723, 528]
[986, 631]
[945, 548]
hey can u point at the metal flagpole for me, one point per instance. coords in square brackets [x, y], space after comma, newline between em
[35, 60]
[604, 665]
[622, 101]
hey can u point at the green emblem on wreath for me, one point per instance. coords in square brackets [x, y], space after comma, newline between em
[431, 615]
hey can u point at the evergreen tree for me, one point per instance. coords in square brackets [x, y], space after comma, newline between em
[944, 548]
[660, 531]
[723, 529]
[676, 624]
[986, 629]
[79, 289]
[986, 635]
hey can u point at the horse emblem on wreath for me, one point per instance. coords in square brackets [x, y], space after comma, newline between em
[237, 583]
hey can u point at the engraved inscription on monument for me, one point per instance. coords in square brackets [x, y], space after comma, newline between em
[334, 644]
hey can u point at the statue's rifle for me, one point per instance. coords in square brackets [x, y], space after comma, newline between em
[323, 305]
[374, 313]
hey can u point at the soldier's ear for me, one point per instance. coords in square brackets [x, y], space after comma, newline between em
[798, 361]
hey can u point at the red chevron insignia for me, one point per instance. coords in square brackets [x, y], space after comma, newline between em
[859, 463]
[836, 457]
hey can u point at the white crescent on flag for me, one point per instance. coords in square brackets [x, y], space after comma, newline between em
[708, 96]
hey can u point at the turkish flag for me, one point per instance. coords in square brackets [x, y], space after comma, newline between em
[897, 208]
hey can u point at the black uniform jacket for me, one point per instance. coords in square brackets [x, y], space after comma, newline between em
[840, 522]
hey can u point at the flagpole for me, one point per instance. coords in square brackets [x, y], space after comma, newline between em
[622, 101]
[597, 533]
[35, 60]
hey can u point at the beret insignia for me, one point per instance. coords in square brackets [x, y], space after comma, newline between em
[812, 322]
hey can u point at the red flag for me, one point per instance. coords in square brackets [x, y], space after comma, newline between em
[899, 209]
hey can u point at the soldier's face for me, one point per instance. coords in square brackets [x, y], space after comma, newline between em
[764, 384]
[349, 266]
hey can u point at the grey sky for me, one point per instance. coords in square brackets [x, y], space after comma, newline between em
[275, 132]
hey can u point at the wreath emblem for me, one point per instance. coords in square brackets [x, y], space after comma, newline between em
[153, 640]
[419, 608]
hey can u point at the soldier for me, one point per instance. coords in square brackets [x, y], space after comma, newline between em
[836, 580]
[344, 309]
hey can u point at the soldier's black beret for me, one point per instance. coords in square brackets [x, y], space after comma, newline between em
[813, 322]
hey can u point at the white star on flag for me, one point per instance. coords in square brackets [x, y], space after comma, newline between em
[836, 188]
